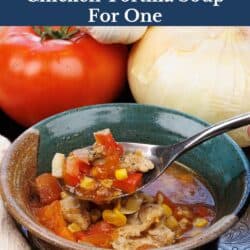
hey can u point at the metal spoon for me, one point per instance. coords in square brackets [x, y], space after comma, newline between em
[164, 156]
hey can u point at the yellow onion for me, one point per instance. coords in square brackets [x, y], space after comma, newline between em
[132, 204]
[203, 71]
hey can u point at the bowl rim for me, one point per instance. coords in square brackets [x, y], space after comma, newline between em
[38, 230]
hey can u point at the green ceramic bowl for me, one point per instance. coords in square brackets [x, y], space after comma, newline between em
[219, 161]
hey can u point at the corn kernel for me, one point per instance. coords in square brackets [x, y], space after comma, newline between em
[200, 222]
[73, 228]
[114, 217]
[87, 183]
[121, 174]
[63, 195]
[138, 153]
[172, 223]
[167, 210]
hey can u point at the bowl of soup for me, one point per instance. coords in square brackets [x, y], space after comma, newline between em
[62, 191]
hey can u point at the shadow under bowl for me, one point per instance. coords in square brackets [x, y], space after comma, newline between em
[219, 161]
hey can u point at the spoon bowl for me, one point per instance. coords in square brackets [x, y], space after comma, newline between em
[149, 151]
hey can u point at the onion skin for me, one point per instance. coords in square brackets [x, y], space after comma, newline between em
[203, 71]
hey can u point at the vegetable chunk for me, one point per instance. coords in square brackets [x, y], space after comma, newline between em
[48, 188]
[51, 217]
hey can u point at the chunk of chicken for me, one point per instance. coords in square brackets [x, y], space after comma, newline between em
[150, 213]
[136, 161]
[131, 238]
[133, 244]
[72, 212]
[135, 234]
[131, 231]
[96, 152]
[133, 219]
[162, 235]
[141, 221]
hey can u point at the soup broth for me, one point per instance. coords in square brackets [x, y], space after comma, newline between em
[76, 200]
[184, 188]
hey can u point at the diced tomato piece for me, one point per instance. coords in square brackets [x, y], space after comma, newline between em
[72, 166]
[51, 217]
[203, 211]
[109, 143]
[107, 169]
[48, 188]
[113, 152]
[130, 184]
[80, 235]
[72, 174]
[74, 170]
[100, 234]
[101, 227]
[71, 180]
[84, 168]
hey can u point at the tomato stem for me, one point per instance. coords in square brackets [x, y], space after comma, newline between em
[48, 32]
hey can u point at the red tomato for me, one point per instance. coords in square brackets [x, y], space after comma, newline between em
[202, 211]
[84, 167]
[130, 184]
[107, 169]
[71, 180]
[74, 170]
[47, 188]
[113, 151]
[41, 78]
[99, 234]
[109, 143]
[51, 217]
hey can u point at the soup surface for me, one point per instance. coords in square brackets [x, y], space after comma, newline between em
[175, 207]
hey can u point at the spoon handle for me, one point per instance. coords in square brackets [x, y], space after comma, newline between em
[212, 131]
